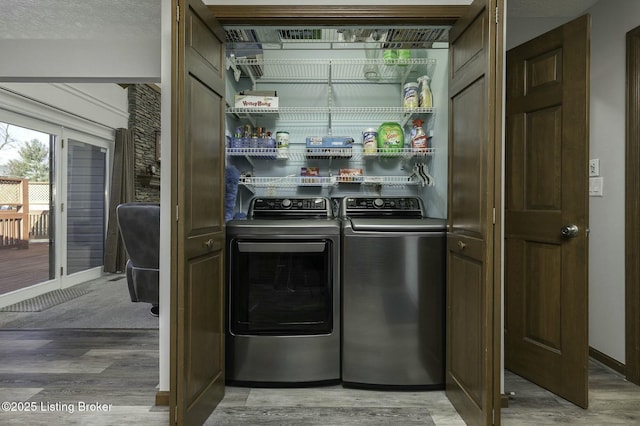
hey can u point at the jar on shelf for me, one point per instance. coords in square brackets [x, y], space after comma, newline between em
[370, 141]
[282, 144]
[410, 95]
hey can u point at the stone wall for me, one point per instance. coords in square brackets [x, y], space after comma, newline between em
[144, 120]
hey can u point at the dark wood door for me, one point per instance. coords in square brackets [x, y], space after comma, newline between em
[473, 241]
[546, 281]
[197, 323]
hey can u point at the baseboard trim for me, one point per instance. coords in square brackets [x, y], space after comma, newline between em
[162, 398]
[504, 401]
[608, 361]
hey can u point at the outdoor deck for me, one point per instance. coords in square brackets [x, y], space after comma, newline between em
[21, 268]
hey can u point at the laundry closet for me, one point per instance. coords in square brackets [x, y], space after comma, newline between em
[305, 179]
[337, 139]
[327, 92]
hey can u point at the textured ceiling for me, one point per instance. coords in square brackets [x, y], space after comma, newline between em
[79, 19]
[547, 8]
[125, 19]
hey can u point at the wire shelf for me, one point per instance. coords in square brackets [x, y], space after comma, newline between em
[302, 153]
[286, 181]
[400, 153]
[339, 115]
[259, 153]
[292, 37]
[324, 181]
[334, 70]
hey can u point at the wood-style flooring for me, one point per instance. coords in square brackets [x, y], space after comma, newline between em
[79, 377]
[109, 377]
[21, 268]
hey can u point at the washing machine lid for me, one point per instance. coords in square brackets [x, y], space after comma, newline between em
[397, 225]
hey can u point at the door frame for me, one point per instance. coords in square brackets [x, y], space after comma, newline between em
[20, 111]
[328, 15]
[632, 208]
[387, 15]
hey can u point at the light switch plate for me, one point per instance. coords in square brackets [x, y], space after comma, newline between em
[594, 167]
[595, 186]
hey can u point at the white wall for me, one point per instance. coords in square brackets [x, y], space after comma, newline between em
[611, 20]
[120, 61]
[165, 201]
[520, 30]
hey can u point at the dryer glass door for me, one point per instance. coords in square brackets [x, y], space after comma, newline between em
[281, 287]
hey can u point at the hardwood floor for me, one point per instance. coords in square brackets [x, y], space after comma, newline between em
[109, 377]
[612, 401]
[333, 405]
[79, 376]
[22, 268]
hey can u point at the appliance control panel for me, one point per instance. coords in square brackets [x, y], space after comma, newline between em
[382, 206]
[300, 206]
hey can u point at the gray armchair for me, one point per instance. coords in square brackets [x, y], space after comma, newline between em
[139, 225]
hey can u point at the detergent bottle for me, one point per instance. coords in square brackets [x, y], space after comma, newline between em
[418, 136]
[390, 137]
[425, 97]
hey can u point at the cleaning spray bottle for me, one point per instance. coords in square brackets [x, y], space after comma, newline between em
[418, 136]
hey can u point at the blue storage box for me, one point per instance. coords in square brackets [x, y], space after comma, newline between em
[329, 146]
[329, 142]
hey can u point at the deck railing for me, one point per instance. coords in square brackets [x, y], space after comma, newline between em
[14, 221]
[24, 212]
[12, 232]
[39, 225]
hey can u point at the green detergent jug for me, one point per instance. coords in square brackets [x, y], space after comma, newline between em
[390, 137]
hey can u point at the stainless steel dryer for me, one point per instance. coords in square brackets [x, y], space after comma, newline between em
[393, 294]
[283, 293]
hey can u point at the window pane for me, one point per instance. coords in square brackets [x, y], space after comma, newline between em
[26, 225]
[86, 180]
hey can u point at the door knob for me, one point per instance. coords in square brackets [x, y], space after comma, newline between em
[209, 244]
[569, 231]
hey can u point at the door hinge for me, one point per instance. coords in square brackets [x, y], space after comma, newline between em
[494, 215]
[177, 13]
[497, 15]
[177, 212]
[62, 143]
[61, 207]
[61, 271]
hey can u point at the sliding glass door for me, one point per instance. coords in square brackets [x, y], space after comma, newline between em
[53, 206]
[86, 206]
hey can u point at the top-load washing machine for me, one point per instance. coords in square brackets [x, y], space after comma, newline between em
[393, 283]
